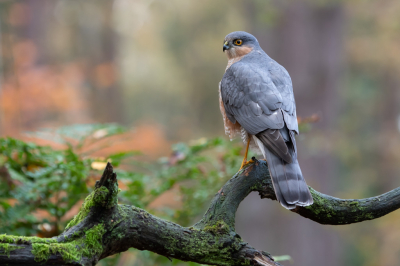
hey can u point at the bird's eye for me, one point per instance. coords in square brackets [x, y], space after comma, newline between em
[238, 42]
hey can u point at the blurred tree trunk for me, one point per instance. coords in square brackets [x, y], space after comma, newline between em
[307, 39]
[92, 41]
[98, 45]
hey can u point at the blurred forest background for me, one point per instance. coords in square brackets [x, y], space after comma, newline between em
[154, 67]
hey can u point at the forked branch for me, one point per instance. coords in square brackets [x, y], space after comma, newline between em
[103, 227]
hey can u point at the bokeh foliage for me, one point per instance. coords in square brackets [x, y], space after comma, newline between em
[38, 178]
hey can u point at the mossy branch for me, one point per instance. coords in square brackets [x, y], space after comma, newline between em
[103, 228]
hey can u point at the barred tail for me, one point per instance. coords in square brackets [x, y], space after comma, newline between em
[290, 187]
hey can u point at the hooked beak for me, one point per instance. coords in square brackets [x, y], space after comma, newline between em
[226, 46]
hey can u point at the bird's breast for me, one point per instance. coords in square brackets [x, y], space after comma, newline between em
[231, 129]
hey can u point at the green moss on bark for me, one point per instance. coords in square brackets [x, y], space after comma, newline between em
[6, 248]
[93, 240]
[69, 251]
[97, 197]
[88, 246]
[41, 251]
[220, 227]
[321, 206]
[25, 239]
[209, 248]
[328, 208]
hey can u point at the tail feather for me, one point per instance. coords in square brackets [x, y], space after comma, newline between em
[290, 187]
[305, 198]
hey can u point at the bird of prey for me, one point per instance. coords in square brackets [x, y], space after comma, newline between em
[257, 103]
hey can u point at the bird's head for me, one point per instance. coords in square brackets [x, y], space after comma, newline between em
[239, 43]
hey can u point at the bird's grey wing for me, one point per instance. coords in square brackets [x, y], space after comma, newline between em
[282, 81]
[251, 98]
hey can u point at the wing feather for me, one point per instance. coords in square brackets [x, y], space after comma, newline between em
[274, 141]
[258, 97]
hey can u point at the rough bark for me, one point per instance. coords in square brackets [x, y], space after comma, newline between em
[103, 227]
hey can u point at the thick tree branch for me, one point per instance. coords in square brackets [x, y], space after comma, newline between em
[330, 210]
[103, 228]
[335, 211]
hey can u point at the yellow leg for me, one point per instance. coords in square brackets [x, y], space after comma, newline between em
[245, 162]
